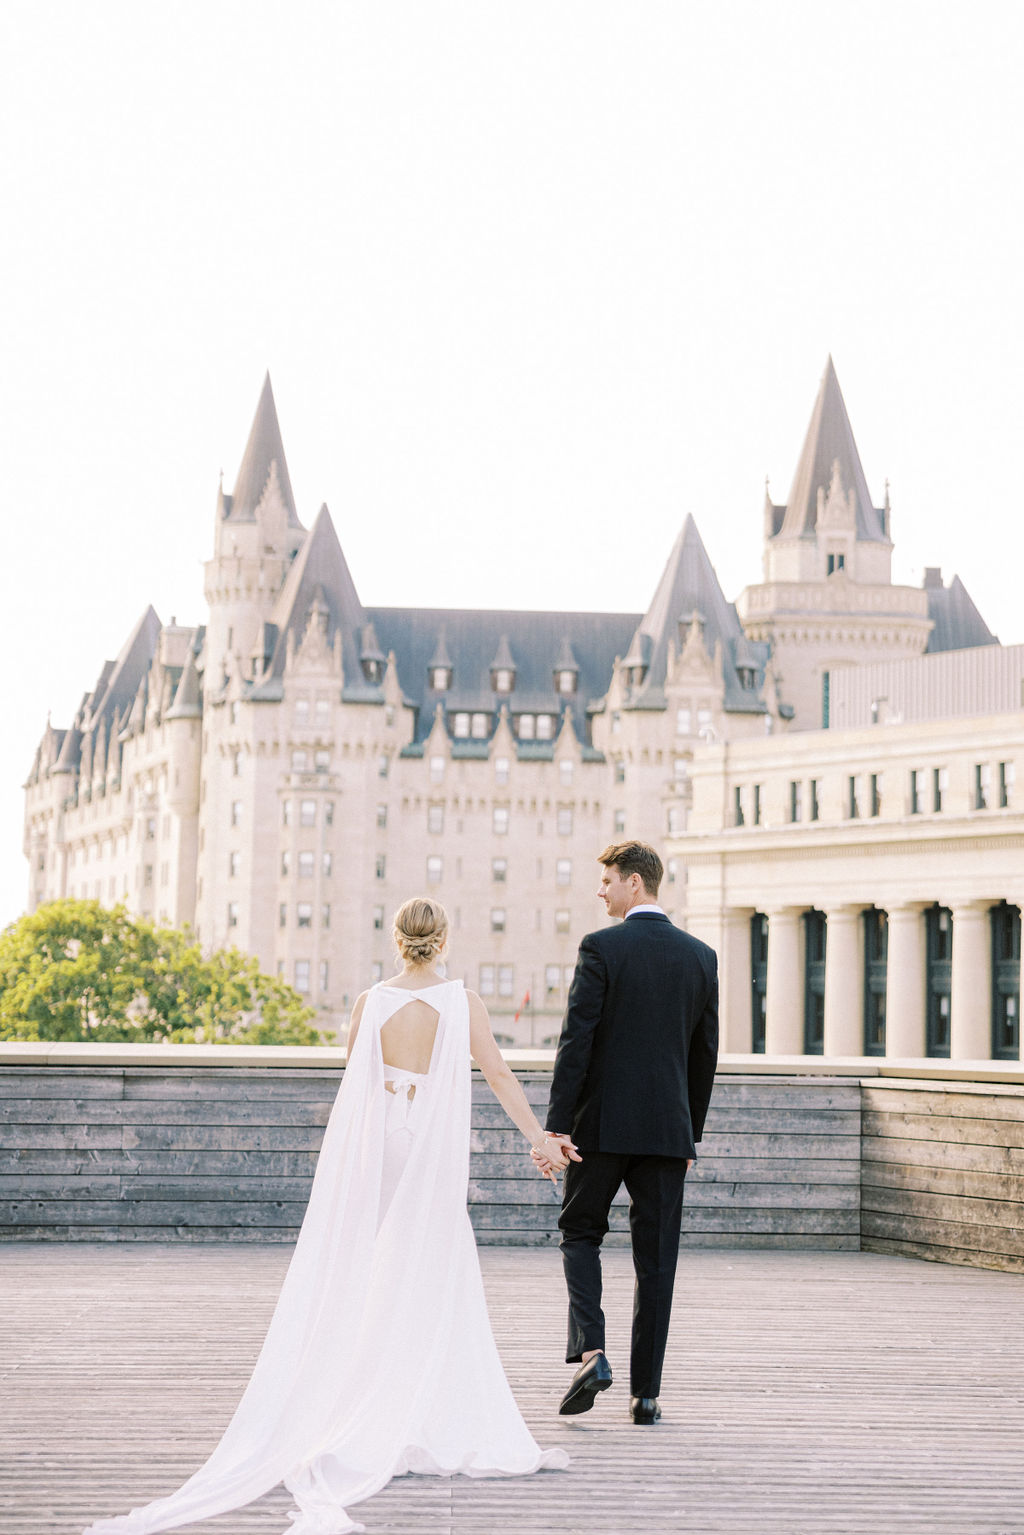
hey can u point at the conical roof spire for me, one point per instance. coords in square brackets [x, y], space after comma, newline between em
[264, 452]
[829, 445]
[187, 703]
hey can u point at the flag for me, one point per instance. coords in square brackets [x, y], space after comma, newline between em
[524, 1003]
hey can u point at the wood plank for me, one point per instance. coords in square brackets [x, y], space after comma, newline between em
[947, 1181]
[36, 1082]
[949, 1104]
[938, 1127]
[1006, 1262]
[963, 1235]
[216, 1111]
[952, 1154]
[996, 1213]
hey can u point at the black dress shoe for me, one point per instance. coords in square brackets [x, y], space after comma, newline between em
[590, 1378]
[644, 1409]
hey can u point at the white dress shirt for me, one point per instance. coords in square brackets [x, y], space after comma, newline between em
[648, 906]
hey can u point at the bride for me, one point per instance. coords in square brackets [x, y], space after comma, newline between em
[379, 1359]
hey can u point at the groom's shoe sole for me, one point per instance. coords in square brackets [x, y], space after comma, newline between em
[595, 1376]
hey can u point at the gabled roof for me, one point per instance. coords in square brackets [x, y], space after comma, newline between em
[120, 679]
[829, 441]
[319, 574]
[957, 624]
[264, 450]
[689, 588]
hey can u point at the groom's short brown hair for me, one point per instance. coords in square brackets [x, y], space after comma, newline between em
[635, 858]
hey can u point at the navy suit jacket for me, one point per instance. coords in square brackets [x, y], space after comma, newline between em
[639, 1045]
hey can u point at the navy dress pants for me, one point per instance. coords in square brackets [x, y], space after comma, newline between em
[655, 1187]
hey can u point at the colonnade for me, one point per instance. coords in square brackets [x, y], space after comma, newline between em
[906, 979]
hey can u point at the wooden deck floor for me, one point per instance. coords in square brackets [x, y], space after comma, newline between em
[806, 1392]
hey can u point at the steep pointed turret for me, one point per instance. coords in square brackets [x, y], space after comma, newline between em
[262, 459]
[187, 703]
[319, 576]
[829, 457]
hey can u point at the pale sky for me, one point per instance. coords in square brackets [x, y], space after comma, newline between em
[533, 281]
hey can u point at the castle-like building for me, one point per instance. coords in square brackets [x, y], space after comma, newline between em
[283, 776]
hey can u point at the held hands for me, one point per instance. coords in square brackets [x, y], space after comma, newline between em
[553, 1155]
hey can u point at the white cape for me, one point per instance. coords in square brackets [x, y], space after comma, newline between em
[379, 1358]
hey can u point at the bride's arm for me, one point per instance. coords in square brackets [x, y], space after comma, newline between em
[505, 1086]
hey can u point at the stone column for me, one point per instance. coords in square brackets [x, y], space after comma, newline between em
[734, 982]
[905, 983]
[784, 1000]
[844, 982]
[970, 1003]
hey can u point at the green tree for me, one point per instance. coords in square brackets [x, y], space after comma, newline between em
[74, 970]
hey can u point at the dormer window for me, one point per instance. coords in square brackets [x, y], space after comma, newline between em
[746, 677]
[373, 670]
[503, 679]
[834, 563]
[565, 682]
[635, 675]
[440, 678]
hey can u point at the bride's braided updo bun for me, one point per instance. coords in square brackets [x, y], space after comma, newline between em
[420, 930]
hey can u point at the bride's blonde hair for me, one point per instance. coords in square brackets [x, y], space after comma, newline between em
[420, 930]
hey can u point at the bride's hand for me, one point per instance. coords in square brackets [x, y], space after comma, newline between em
[545, 1163]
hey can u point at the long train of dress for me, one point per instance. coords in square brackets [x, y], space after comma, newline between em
[379, 1359]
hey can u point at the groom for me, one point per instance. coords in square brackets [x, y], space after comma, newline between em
[630, 1091]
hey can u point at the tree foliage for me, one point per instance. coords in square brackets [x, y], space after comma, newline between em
[75, 970]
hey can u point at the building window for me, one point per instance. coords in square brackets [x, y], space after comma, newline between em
[435, 868]
[565, 682]
[380, 866]
[915, 791]
[302, 976]
[302, 712]
[562, 920]
[232, 914]
[506, 980]
[679, 770]
[545, 727]
[683, 718]
[440, 678]
[307, 863]
[757, 804]
[874, 796]
[1006, 777]
[552, 980]
[526, 725]
[835, 562]
[814, 982]
[565, 769]
[738, 818]
[982, 785]
[436, 769]
[815, 807]
[435, 818]
[324, 974]
[286, 862]
[323, 713]
[286, 812]
[563, 821]
[151, 828]
[876, 950]
[480, 727]
[329, 813]
[499, 869]
[234, 865]
[563, 871]
[825, 691]
[497, 919]
[300, 761]
[325, 915]
[378, 919]
[460, 725]
[327, 863]
[758, 981]
[307, 812]
[1005, 982]
[304, 914]
[383, 765]
[796, 795]
[620, 770]
[616, 722]
[282, 915]
[501, 769]
[853, 796]
[382, 816]
[486, 983]
[236, 764]
[504, 679]
[499, 822]
[322, 761]
[236, 812]
[672, 870]
[620, 823]
[938, 972]
[940, 783]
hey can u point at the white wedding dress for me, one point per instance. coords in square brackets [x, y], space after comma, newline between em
[379, 1359]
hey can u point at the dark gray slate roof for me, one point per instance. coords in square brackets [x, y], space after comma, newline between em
[688, 588]
[473, 640]
[264, 449]
[829, 439]
[957, 623]
[115, 691]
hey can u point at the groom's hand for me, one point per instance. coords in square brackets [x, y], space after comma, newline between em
[565, 1142]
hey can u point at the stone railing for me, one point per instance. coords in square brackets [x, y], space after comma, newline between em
[193, 1143]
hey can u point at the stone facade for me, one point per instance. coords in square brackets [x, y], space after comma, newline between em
[285, 775]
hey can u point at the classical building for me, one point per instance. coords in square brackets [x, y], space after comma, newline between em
[284, 775]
